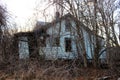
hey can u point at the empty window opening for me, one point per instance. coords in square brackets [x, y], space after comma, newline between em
[42, 41]
[67, 25]
[68, 46]
[56, 42]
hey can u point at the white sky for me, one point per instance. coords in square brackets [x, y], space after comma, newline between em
[24, 11]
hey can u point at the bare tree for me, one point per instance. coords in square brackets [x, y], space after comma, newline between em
[2, 25]
[2, 19]
[5, 35]
[97, 15]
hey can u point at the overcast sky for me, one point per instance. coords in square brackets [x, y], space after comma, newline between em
[23, 10]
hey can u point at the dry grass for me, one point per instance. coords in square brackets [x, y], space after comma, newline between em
[35, 70]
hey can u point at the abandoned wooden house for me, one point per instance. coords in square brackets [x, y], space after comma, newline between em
[63, 38]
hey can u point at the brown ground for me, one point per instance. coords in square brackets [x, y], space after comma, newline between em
[49, 71]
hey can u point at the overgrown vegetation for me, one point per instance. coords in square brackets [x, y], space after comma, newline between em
[97, 16]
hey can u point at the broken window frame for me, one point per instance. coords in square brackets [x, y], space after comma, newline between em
[56, 42]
